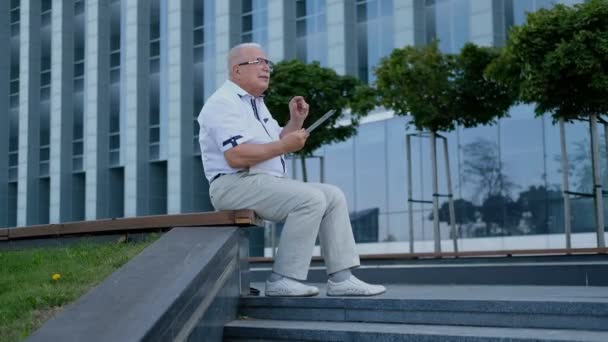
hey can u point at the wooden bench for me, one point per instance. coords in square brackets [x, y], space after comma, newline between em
[239, 218]
[464, 254]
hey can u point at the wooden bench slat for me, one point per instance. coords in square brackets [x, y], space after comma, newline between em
[220, 218]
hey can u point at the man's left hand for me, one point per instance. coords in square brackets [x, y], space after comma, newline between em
[298, 109]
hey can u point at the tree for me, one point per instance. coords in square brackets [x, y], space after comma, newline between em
[501, 215]
[536, 201]
[484, 169]
[323, 89]
[441, 91]
[558, 60]
[465, 212]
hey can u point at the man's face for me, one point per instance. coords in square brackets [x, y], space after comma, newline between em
[254, 77]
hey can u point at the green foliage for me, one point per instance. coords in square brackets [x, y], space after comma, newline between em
[440, 90]
[558, 60]
[323, 89]
[28, 294]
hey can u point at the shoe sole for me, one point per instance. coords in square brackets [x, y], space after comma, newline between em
[355, 295]
[287, 295]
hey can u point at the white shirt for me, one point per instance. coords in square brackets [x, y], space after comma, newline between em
[229, 119]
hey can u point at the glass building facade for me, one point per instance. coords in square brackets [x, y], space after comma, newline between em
[139, 72]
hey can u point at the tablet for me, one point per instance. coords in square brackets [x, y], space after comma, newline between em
[320, 120]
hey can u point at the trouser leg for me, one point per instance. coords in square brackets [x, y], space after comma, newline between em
[335, 232]
[277, 199]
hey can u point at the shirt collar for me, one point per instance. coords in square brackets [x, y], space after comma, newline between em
[240, 91]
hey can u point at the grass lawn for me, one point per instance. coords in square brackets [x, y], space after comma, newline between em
[28, 293]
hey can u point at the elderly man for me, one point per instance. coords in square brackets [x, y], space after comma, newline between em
[242, 151]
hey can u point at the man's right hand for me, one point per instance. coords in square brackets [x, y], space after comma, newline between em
[294, 141]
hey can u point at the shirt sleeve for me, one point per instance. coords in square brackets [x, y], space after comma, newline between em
[224, 124]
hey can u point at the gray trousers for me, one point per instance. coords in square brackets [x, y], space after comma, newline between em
[308, 210]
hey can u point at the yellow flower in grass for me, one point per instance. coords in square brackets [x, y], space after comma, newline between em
[56, 276]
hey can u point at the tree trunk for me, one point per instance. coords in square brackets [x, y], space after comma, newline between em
[304, 174]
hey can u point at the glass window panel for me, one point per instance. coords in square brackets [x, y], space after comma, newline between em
[114, 59]
[46, 5]
[301, 28]
[44, 153]
[45, 64]
[15, 29]
[46, 19]
[300, 8]
[45, 93]
[15, 4]
[154, 65]
[154, 134]
[78, 69]
[78, 148]
[14, 86]
[199, 14]
[247, 6]
[13, 159]
[77, 163]
[199, 37]
[12, 174]
[79, 7]
[247, 23]
[247, 37]
[45, 78]
[44, 169]
[114, 158]
[198, 54]
[114, 141]
[14, 101]
[15, 15]
[115, 75]
[78, 84]
[154, 152]
[155, 48]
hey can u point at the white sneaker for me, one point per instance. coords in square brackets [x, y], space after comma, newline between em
[353, 287]
[287, 287]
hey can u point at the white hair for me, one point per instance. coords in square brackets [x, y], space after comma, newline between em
[235, 51]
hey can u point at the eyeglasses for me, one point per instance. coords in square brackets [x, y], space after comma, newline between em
[258, 61]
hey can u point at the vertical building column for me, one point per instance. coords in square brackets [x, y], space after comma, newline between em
[62, 59]
[481, 22]
[135, 79]
[97, 108]
[409, 22]
[340, 39]
[226, 36]
[5, 30]
[180, 156]
[277, 33]
[29, 120]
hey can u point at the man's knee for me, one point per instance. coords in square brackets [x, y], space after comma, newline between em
[315, 199]
[335, 195]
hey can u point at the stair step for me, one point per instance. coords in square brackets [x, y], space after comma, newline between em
[274, 330]
[498, 271]
[545, 307]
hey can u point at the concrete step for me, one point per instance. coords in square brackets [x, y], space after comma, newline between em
[275, 330]
[550, 271]
[547, 307]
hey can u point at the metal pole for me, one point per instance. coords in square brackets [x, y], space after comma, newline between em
[273, 237]
[450, 196]
[322, 166]
[565, 185]
[597, 182]
[436, 233]
[410, 206]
